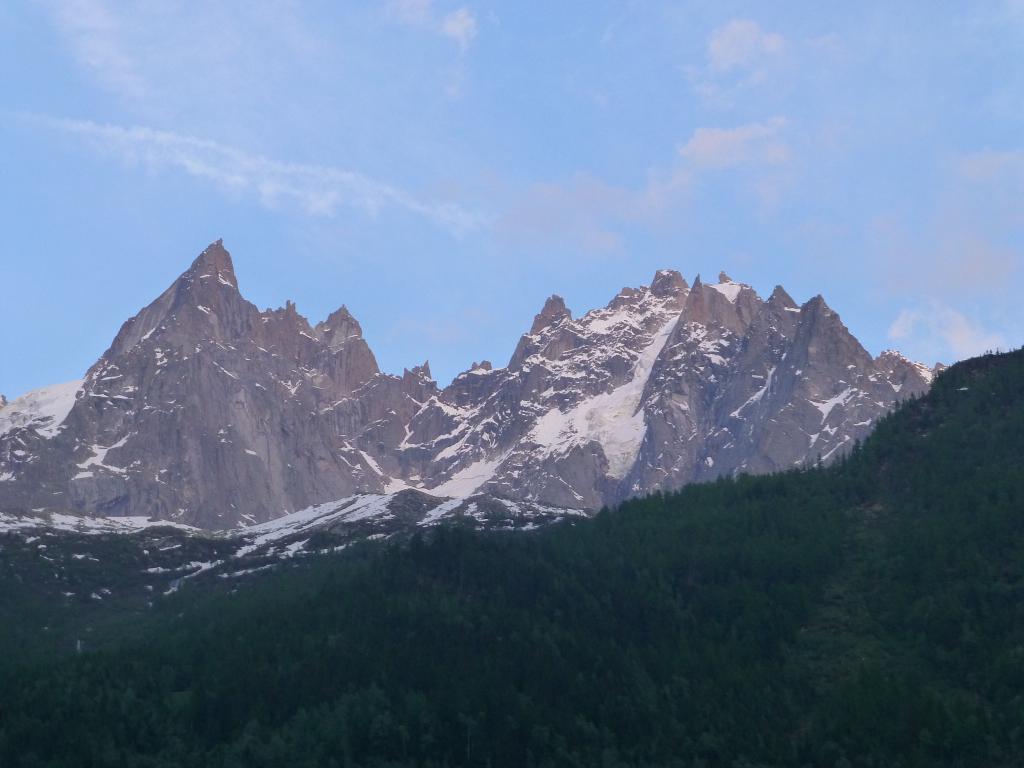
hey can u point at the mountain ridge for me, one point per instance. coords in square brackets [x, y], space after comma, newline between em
[208, 411]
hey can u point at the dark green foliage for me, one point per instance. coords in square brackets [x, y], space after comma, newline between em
[867, 614]
[60, 587]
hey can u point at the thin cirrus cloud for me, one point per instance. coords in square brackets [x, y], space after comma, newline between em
[588, 211]
[759, 149]
[95, 34]
[927, 332]
[316, 190]
[459, 25]
[742, 44]
[591, 212]
[739, 54]
[758, 143]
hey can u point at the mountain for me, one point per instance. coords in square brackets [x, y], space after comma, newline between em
[210, 412]
[867, 613]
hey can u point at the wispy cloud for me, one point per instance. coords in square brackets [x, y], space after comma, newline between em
[759, 152]
[937, 331]
[739, 54]
[758, 143]
[591, 212]
[588, 211]
[742, 44]
[172, 62]
[317, 190]
[95, 34]
[459, 25]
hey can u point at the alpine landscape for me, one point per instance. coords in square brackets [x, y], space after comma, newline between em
[698, 521]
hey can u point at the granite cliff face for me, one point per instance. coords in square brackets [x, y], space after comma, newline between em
[207, 411]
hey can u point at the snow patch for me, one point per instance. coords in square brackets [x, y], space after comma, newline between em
[43, 410]
[344, 510]
[757, 396]
[826, 406]
[729, 290]
[371, 462]
[613, 419]
[86, 525]
[99, 458]
[467, 480]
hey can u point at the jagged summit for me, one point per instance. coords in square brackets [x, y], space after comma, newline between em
[207, 411]
[554, 310]
[894, 354]
[340, 328]
[816, 304]
[208, 283]
[215, 262]
[340, 320]
[668, 282]
[422, 371]
[781, 298]
[899, 368]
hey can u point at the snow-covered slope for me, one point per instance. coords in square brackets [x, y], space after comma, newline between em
[319, 529]
[41, 410]
[369, 516]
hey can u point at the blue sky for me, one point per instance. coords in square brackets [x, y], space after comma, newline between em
[441, 167]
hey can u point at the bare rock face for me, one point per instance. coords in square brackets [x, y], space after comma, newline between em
[664, 386]
[207, 411]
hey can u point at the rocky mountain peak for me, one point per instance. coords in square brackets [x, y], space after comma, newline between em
[781, 299]
[697, 299]
[554, 311]
[207, 411]
[726, 307]
[899, 369]
[891, 356]
[209, 282]
[339, 328]
[202, 303]
[628, 297]
[214, 263]
[724, 278]
[340, 321]
[815, 307]
[668, 282]
[285, 324]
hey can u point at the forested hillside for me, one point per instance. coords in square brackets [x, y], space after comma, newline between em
[866, 614]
